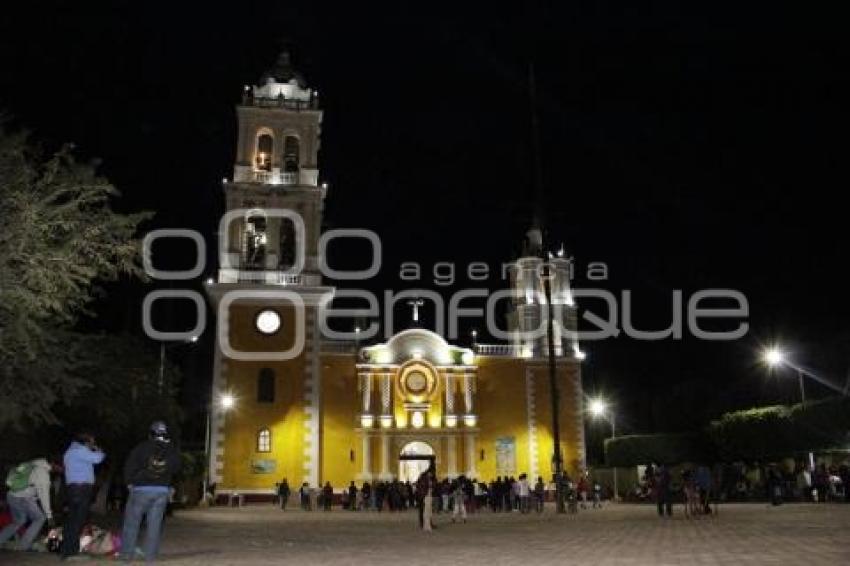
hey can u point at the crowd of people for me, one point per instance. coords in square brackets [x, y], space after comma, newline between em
[148, 473]
[457, 496]
[739, 482]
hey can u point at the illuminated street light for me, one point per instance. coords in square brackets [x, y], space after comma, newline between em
[227, 401]
[773, 356]
[599, 408]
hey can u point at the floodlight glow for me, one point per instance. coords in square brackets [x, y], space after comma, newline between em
[598, 407]
[774, 356]
[227, 401]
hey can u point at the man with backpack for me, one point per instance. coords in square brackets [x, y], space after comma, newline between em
[149, 470]
[29, 485]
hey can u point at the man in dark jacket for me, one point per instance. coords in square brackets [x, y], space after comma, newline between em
[148, 472]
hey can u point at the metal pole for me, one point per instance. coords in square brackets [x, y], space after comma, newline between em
[207, 455]
[161, 367]
[613, 436]
[557, 462]
[800, 375]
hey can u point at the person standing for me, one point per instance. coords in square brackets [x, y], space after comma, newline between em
[304, 494]
[539, 494]
[458, 503]
[327, 496]
[524, 493]
[366, 490]
[148, 471]
[703, 484]
[29, 485]
[283, 493]
[352, 496]
[424, 486]
[80, 459]
[662, 491]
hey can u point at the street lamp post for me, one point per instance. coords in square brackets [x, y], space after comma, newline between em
[599, 408]
[775, 357]
[225, 403]
[557, 459]
[162, 346]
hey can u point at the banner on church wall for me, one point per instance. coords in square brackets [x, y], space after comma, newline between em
[263, 466]
[506, 456]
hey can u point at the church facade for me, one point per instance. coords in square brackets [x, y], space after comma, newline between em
[315, 410]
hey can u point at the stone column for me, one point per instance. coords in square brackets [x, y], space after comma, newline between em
[366, 384]
[467, 392]
[470, 456]
[451, 456]
[385, 458]
[366, 454]
[386, 399]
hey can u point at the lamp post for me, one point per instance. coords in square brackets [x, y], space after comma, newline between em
[557, 458]
[599, 408]
[226, 402]
[775, 357]
[162, 347]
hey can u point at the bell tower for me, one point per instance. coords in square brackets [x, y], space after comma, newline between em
[276, 167]
[268, 290]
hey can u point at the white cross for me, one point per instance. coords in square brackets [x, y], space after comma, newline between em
[416, 303]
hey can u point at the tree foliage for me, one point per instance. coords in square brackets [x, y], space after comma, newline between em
[774, 432]
[59, 237]
[639, 449]
[765, 433]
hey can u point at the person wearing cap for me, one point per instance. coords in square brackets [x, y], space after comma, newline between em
[148, 471]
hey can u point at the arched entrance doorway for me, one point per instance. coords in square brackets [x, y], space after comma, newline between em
[414, 459]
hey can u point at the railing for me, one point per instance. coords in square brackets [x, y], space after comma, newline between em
[498, 350]
[281, 102]
[516, 350]
[266, 277]
[276, 178]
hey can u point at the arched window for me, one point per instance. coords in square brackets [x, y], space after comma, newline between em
[255, 241]
[265, 150]
[291, 154]
[287, 243]
[265, 386]
[264, 440]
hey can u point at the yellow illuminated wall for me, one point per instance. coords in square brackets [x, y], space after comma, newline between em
[500, 403]
[284, 417]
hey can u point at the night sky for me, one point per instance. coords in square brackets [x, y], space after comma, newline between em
[687, 147]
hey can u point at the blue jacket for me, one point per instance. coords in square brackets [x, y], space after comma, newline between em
[79, 463]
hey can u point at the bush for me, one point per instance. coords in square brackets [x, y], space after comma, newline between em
[656, 448]
[774, 432]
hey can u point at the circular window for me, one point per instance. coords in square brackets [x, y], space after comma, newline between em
[268, 321]
[416, 381]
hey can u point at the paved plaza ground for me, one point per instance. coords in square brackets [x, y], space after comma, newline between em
[616, 535]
